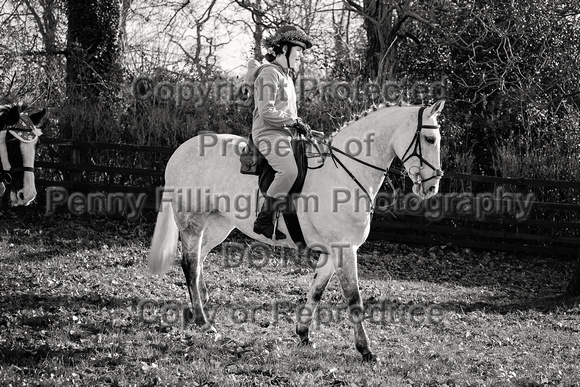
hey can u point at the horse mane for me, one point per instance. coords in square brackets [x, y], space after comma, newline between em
[6, 103]
[364, 113]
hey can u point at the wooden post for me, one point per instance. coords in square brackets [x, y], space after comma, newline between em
[573, 288]
[75, 176]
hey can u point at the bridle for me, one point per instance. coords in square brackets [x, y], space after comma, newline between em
[417, 152]
[6, 175]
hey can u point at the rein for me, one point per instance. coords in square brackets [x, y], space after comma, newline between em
[352, 176]
[418, 154]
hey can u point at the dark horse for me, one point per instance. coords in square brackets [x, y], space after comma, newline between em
[18, 138]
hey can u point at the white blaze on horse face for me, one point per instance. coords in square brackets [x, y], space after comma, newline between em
[28, 192]
[4, 151]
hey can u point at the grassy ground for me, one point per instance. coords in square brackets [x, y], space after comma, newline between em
[79, 308]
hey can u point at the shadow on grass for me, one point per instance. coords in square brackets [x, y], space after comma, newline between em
[15, 303]
[500, 282]
[44, 236]
[31, 355]
[513, 282]
[498, 305]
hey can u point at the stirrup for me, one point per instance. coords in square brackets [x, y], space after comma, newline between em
[268, 232]
[263, 224]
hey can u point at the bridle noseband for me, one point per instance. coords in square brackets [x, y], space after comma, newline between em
[6, 177]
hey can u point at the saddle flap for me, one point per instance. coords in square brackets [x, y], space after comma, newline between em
[251, 160]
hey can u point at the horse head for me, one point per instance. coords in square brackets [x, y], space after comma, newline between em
[419, 150]
[18, 138]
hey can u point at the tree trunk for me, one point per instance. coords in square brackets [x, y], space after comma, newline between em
[125, 9]
[93, 66]
[46, 14]
[258, 35]
[381, 24]
[373, 49]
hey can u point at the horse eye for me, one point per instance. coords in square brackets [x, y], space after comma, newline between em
[430, 140]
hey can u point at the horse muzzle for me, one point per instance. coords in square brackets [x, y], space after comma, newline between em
[425, 188]
[22, 197]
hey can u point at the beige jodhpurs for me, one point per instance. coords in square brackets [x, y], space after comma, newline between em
[277, 149]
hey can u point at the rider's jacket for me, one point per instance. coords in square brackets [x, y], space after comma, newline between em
[274, 99]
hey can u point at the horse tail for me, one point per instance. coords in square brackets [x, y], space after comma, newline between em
[164, 243]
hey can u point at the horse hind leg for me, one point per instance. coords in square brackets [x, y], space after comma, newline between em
[191, 240]
[197, 239]
[324, 272]
[216, 230]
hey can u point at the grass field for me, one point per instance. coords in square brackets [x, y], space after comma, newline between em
[79, 308]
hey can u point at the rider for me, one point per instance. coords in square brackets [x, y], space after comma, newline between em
[275, 117]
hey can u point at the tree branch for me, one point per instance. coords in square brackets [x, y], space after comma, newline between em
[175, 14]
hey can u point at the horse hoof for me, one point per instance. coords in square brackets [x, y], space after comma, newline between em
[208, 328]
[304, 342]
[369, 358]
[196, 318]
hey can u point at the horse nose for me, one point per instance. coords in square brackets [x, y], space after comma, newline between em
[431, 191]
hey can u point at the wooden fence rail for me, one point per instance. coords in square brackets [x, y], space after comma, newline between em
[551, 228]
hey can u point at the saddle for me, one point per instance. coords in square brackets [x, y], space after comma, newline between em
[254, 163]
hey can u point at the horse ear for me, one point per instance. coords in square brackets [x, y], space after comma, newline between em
[37, 117]
[436, 108]
[11, 117]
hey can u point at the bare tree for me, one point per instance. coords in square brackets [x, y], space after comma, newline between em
[262, 18]
[22, 54]
[175, 38]
[47, 15]
[270, 14]
[203, 66]
[125, 11]
[344, 55]
[384, 23]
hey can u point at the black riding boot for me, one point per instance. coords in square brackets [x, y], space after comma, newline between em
[264, 224]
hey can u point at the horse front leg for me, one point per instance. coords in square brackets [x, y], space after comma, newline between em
[348, 275]
[192, 266]
[324, 271]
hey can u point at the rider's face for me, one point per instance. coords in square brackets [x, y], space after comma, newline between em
[295, 57]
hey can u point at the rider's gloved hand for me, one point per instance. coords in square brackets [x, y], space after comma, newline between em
[301, 126]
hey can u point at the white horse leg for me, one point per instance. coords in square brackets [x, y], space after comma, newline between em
[348, 276]
[322, 276]
[197, 240]
[216, 230]
[191, 240]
